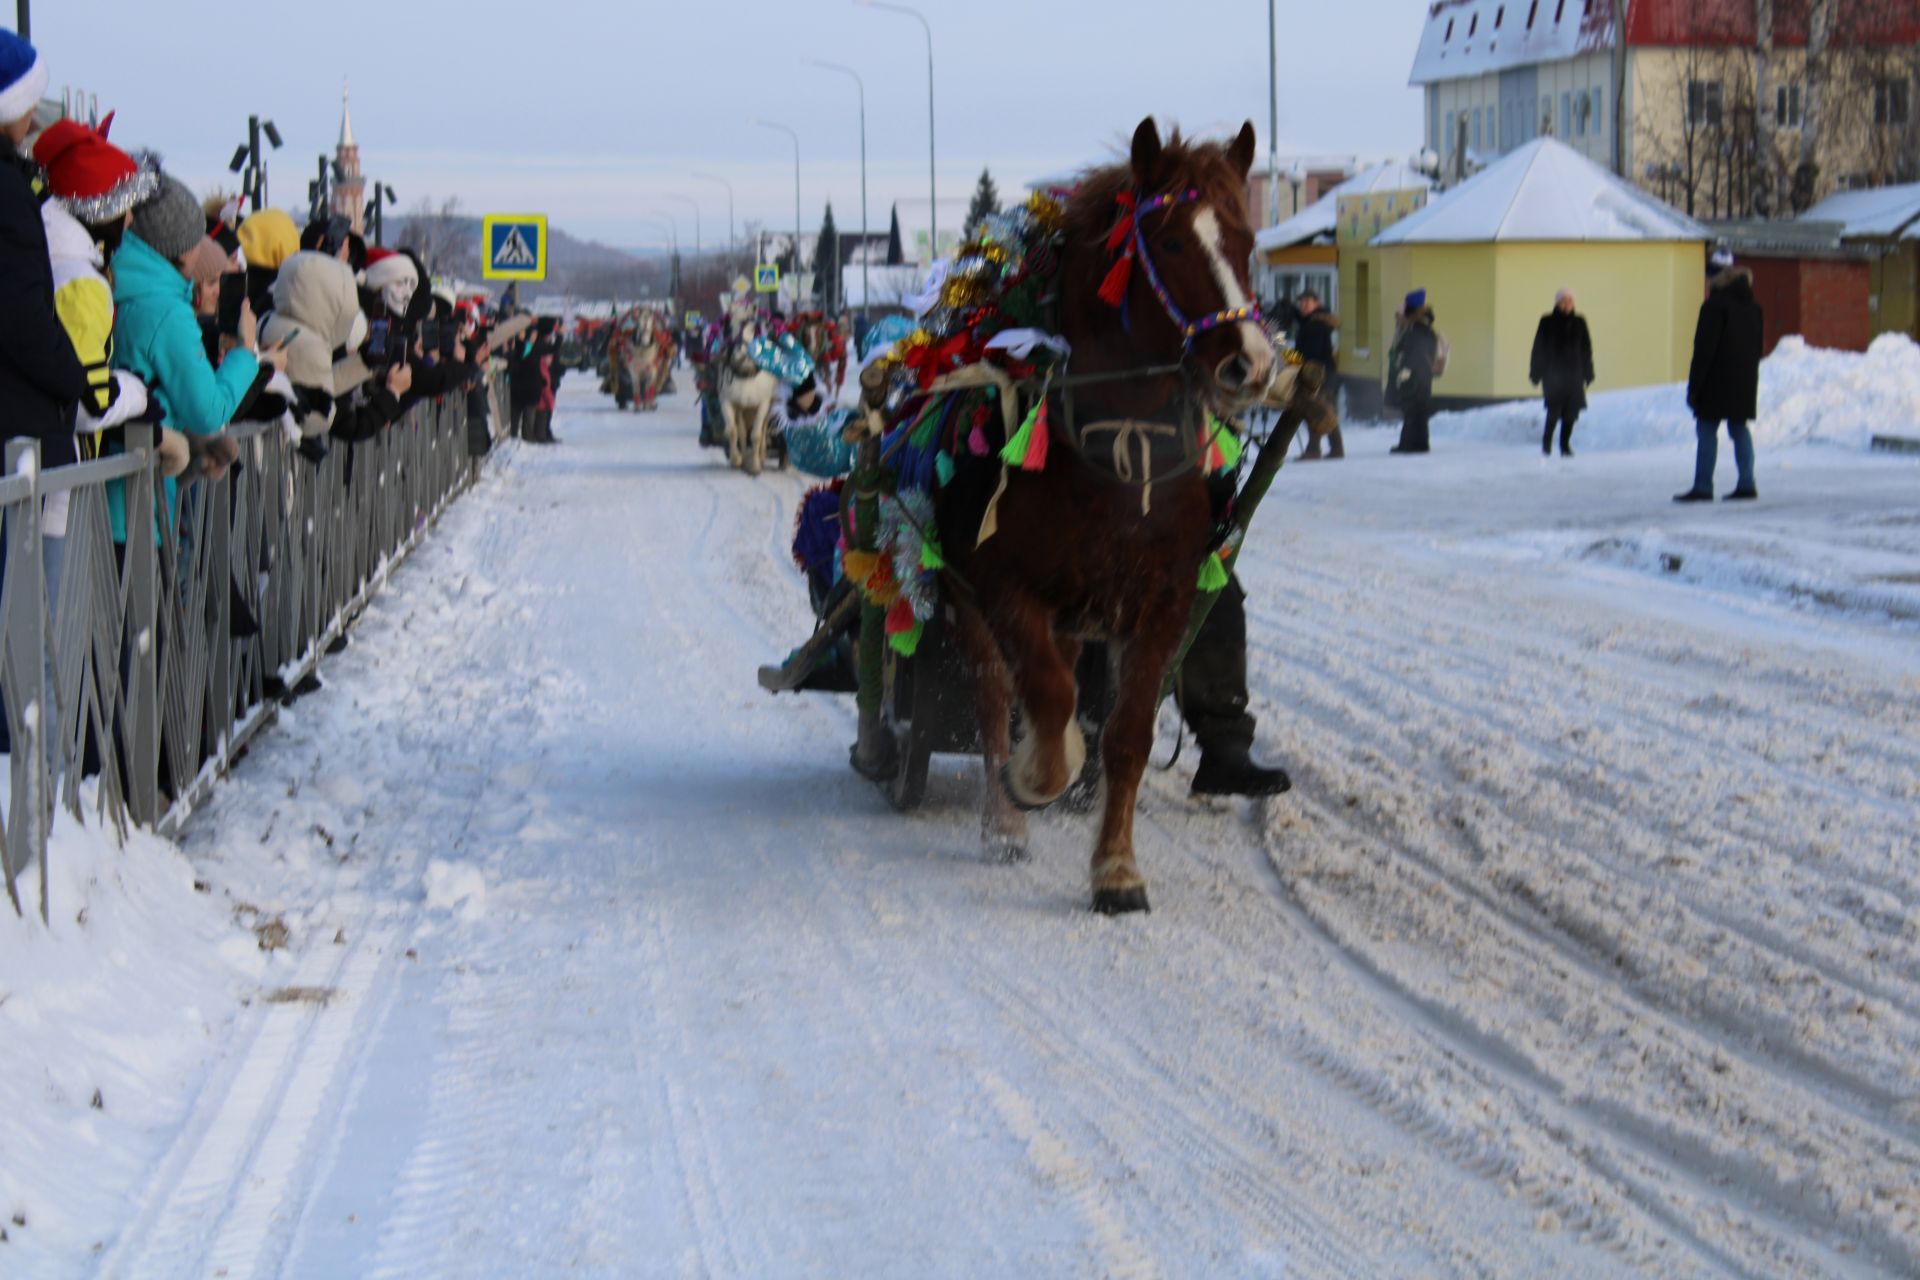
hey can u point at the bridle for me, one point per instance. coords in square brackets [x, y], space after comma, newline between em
[1129, 240]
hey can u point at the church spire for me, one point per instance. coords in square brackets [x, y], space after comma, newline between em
[346, 119]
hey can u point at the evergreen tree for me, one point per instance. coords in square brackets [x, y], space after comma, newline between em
[826, 265]
[896, 252]
[986, 202]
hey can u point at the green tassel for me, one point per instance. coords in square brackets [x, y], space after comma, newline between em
[905, 643]
[1229, 443]
[943, 467]
[930, 557]
[1014, 452]
[1213, 574]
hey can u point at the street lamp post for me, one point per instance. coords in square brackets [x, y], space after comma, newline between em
[1273, 124]
[671, 195]
[866, 293]
[933, 195]
[774, 124]
[662, 218]
[714, 177]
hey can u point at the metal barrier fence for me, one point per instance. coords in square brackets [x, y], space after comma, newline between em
[135, 678]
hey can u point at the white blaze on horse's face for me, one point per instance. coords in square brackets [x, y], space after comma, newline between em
[1255, 348]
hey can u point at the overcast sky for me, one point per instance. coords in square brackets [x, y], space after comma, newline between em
[596, 112]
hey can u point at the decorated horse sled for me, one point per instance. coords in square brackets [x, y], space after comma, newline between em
[1051, 461]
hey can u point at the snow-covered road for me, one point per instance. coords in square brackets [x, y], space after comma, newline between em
[1585, 946]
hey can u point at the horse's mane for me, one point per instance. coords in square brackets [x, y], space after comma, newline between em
[1090, 209]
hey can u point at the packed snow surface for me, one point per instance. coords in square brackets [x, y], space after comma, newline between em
[541, 942]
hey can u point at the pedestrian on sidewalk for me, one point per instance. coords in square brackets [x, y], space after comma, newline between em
[1313, 331]
[1419, 356]
[1562, 368]
[1724, 382]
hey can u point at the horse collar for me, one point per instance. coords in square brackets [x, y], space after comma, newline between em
[1129, 240]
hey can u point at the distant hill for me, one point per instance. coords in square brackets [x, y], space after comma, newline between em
[579, 268]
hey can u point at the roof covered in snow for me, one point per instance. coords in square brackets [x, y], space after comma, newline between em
[1544, 190]
[1883, 211]
[1474, 37]
[1318, 218]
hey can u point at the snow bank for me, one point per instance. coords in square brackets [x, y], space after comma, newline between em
[105, 1012]
[1807, 394]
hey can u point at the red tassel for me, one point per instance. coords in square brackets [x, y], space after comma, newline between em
[1036, 459]
[1124, 227]
[1113, 289]
[899, 616]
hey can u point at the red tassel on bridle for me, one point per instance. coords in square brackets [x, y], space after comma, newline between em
[1113, 289]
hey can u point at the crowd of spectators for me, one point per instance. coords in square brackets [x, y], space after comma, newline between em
[125, 298]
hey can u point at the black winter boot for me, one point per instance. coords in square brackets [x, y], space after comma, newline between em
[1227, 769]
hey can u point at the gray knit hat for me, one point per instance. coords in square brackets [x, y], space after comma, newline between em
[172, 222]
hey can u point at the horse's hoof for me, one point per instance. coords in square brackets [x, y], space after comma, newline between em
[1117, 902]
[1023, 803]
[1005, 851]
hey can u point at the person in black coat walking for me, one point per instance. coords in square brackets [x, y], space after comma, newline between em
[1417, 358]
[1724, 382]
[1562, 368]
[41, 376]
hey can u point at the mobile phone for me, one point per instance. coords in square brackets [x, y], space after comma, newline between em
[233, 296]
[449, 334]
[377, 331]
[430, 337]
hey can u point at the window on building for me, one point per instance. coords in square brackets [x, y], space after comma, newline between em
[1444, 39]
[1580, 115]
[1533, 11]
[1476, 129]
[1473, 25]
[1363, 307]
[1599, 114]
[1704, 101]
[1786, 106]
[1566, 114]
[1892, 103]
[1558, 10]
[1499, 16]
[1546, 115]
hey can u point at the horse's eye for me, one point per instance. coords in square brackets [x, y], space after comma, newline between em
[1169, 244]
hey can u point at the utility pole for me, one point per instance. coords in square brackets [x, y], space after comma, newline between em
[1273, 122]
[24, 23]
[933, 194]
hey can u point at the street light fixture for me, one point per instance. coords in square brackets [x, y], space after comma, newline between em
[795, 270]
[866, 293]
[247, 162]
[933, 197]
[382, 196]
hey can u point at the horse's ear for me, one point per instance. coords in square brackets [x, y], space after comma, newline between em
[1146, 153]
[1241, 150]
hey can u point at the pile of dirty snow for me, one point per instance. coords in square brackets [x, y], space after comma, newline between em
[1807, 394]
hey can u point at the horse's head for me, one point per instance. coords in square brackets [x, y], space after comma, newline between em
[1165, 242]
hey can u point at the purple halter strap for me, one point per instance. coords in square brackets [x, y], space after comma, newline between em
[1189, 329]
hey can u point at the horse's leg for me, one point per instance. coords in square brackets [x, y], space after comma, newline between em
[1051, 749]
[736, 430]
[757, 443]
[1124, 745]
[1003, 827]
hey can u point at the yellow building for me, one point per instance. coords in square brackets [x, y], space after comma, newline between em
[1885, 221]
[1492, 253]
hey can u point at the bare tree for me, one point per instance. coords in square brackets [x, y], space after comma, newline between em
[436, 233]
[1806, 169]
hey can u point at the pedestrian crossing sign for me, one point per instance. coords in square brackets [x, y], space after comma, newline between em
[693, 320]
[766, 278]
[513, 246]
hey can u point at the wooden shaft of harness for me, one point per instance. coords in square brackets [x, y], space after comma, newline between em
[869, 750]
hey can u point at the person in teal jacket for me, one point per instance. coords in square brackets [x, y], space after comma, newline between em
[156, 335]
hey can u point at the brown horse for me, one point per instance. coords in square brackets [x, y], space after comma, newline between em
[1080, 553]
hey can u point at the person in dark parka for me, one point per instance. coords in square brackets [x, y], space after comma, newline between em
[41, 376]
[1411, 368]
[1313, 338]
[1724, 382]
[1562, 368]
